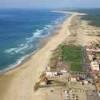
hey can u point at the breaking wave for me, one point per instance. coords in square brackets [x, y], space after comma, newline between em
[29, 43]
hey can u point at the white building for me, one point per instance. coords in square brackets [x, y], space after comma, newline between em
[95, 65]
[51, 74]
[73, 79]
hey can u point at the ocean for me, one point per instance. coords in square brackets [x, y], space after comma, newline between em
[21, 32]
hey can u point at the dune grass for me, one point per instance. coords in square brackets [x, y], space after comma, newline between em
[73, 55]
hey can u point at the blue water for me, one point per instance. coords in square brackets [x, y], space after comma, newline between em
[21, 32]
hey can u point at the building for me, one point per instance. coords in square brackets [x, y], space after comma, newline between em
[94, 65]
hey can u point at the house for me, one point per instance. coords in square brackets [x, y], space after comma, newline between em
[73, 79]
[95, 65]
[51, 74]
[63, 71]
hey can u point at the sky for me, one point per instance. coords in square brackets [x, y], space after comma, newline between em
[49, 3]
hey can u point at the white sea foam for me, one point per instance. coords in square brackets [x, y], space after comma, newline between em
[10, 50]
[37, 34]
[17, 50]
[12, 66]
[27, 45]
[24, 46]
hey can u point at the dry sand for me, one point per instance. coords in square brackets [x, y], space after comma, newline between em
[18, 84]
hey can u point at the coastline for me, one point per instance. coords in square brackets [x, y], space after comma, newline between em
[22, 78]
[42, 43]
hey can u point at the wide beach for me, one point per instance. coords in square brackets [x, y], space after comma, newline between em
[18, 84]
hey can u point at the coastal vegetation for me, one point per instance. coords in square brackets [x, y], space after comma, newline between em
[68, 57]
[93, 17]
[73, 55]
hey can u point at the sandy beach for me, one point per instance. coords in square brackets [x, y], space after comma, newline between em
[18, 84]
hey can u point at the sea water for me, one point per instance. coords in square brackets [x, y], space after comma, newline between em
[21, 31]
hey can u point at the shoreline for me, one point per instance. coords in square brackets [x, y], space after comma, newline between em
[44, 41]
[18, 84]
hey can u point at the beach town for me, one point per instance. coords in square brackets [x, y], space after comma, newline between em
[68, 79]
[66, 68]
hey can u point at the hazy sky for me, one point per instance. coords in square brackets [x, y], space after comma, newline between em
[49, 3]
